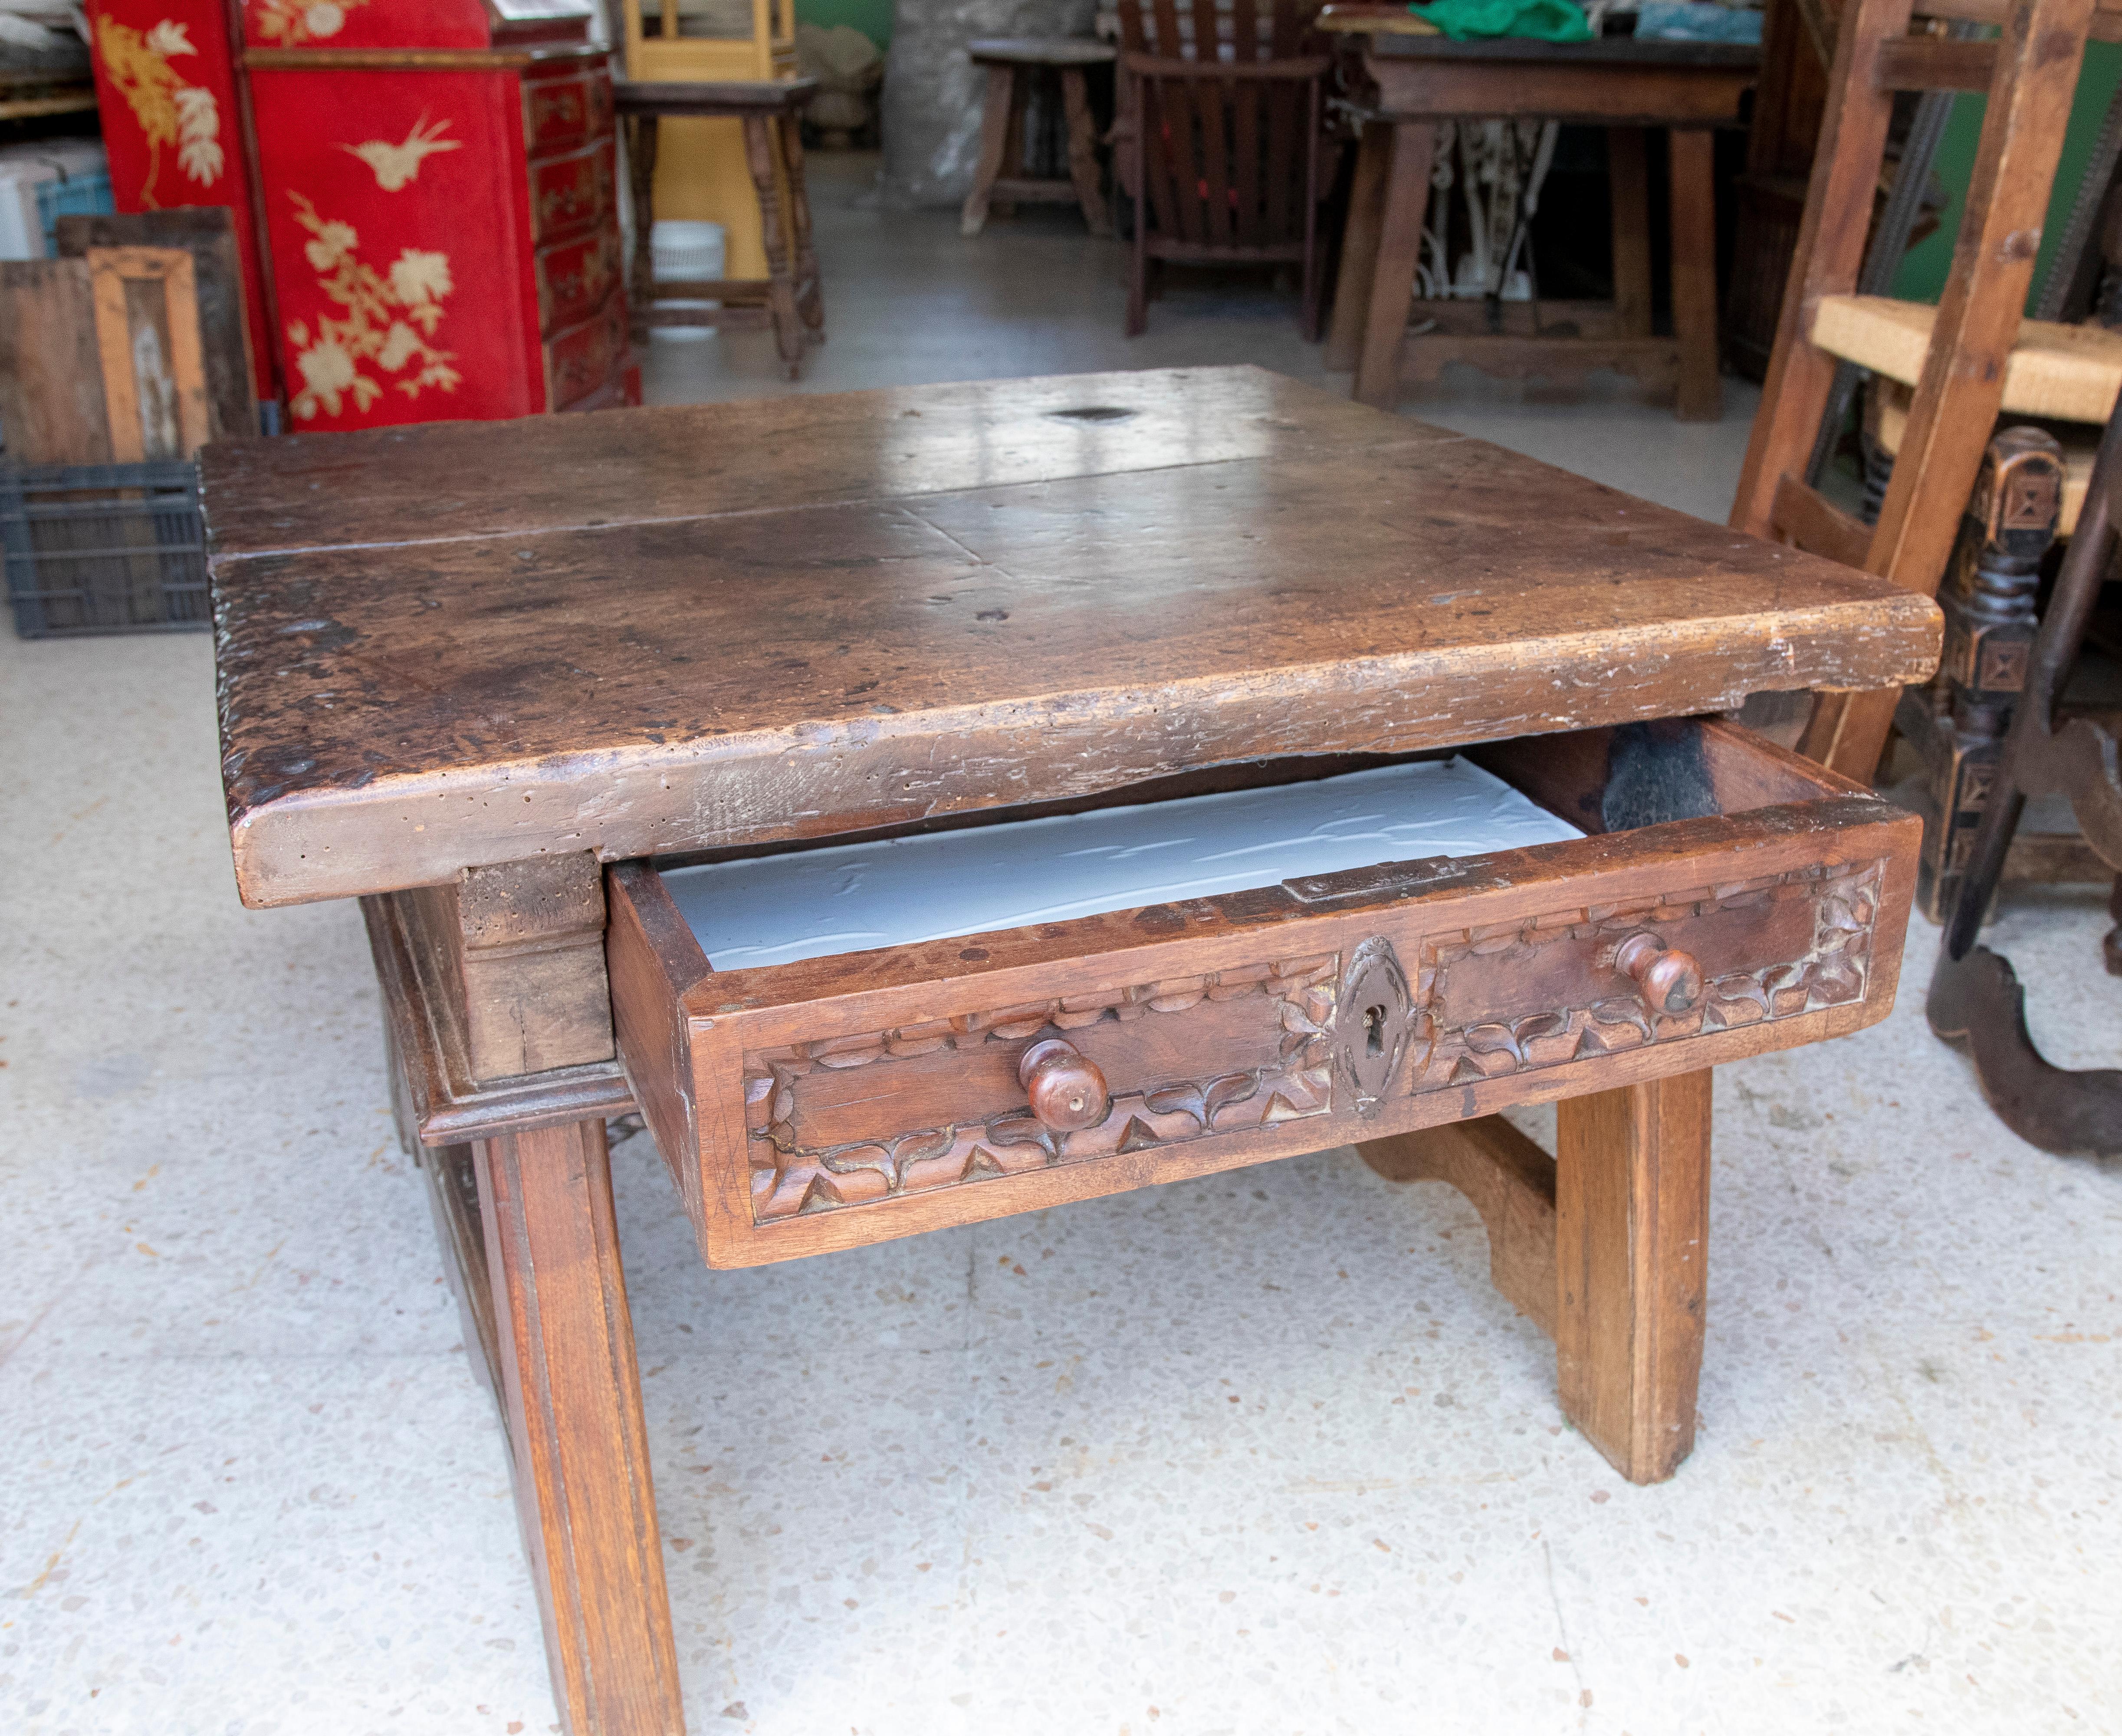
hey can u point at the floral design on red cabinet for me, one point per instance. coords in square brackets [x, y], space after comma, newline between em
[166, 86]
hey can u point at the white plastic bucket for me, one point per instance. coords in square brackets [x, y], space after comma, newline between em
[682, 249]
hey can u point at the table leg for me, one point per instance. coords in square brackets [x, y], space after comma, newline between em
[995, 137]
[641, 177]
[780, 271]
[1399, 250]
[1632, 1223]
[1083, 150]
[1628, 176]
[1359, 248]
[572, 1394]
[809, 286]
[1694, 273]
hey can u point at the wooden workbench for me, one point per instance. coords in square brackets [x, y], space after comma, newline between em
[497, 712]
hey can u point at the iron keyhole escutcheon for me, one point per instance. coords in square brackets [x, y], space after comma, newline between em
[1370, 1023]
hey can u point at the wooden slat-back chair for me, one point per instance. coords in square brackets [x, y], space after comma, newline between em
[1225, 111]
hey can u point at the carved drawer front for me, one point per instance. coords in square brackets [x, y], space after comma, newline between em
[563, 111]
[808, 1105]
[939, 1103]
[1505, 997]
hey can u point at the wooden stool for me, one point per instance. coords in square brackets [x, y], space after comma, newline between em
[1012, 63]
[789, 297]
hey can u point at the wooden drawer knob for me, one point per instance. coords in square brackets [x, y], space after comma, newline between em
[1670, 979]
[1068, 1090]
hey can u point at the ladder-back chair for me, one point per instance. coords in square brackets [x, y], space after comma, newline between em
[1222, 119]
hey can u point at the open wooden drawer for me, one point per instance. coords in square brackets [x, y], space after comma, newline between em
[821, 1104]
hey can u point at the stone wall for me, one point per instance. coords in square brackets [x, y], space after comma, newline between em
[932, 94]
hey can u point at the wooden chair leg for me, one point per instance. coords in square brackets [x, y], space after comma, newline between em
[2110, 947]
[1083, 151]
[995, 137]
[809, 285]
[1628, 176]
[641, 177]
[1694, 210]
[572, 1394]
[1138, 306]
[759, 154]
[1632, 1221]
[1399, 250]
[1020, 83]
[1359, 249]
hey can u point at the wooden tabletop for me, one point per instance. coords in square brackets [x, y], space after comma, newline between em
[718, 96]
[649, 631]
[1041, 50]
[1601, 51]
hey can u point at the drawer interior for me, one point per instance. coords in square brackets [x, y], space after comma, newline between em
[779, 908]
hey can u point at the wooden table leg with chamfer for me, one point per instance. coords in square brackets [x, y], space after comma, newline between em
[1602, 1248]
[1631, 1231]
[571, 1390]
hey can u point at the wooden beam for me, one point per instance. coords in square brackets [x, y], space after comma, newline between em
[1828, 254]
[1510, 1181]
[520, 948]
[1808, 520]
[1934, 63]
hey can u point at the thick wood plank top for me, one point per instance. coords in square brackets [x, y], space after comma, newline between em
[1041, 51]
[1639, 52]
[675, 96]
[649, 631]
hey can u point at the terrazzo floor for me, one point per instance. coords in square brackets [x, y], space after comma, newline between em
[1258, 1453]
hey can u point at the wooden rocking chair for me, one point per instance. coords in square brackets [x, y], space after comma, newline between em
[1225, 158]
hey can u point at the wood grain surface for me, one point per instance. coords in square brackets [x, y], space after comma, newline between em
[1173, 572]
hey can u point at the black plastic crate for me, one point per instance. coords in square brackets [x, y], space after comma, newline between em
[103, 548]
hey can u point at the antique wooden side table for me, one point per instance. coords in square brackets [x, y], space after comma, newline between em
[1403, 85]
[504, 713]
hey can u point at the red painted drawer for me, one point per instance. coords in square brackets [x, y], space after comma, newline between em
[582, 358]
[563, 113]
[575, 278]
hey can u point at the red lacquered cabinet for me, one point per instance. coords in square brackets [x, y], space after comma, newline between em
[440, 225]
[165, 89]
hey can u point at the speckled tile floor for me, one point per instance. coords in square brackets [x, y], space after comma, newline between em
[1259, 1453]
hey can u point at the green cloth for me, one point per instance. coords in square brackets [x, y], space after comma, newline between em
[1550, 21]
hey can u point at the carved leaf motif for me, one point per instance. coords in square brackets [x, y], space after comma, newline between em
[1492, 1040]
[1179, 1100]
[1831, 971]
